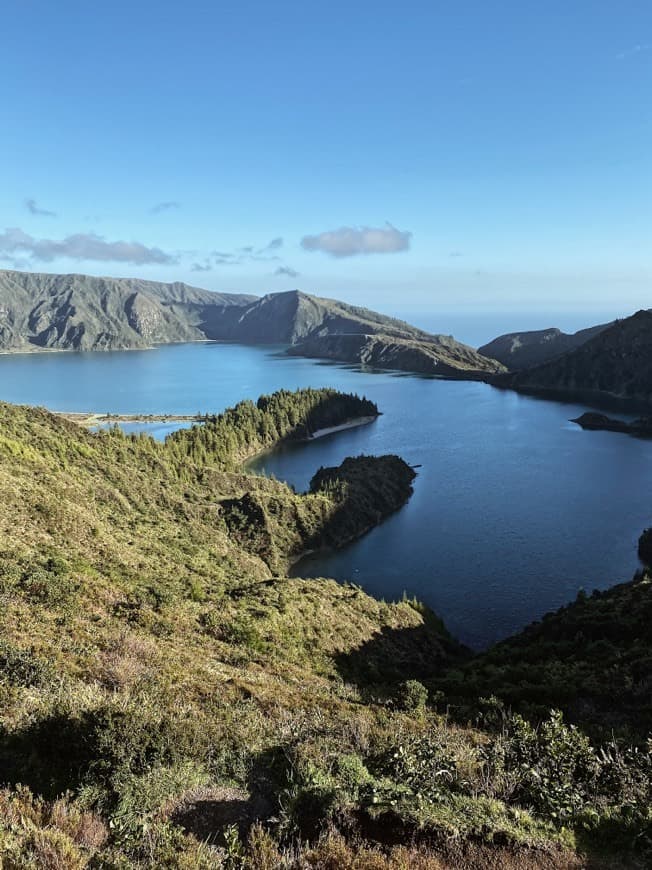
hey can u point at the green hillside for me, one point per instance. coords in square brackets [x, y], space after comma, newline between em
[169, 698]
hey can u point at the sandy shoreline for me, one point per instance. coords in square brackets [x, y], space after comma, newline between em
[350, 424]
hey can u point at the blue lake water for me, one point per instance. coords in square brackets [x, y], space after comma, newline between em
[514, 508]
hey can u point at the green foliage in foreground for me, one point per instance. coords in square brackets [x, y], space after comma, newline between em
[165, 702]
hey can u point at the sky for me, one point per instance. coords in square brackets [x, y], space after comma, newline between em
[466, 156]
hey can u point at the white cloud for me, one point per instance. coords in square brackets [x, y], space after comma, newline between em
[286, 272]
[249, 254]
[352, 241]
[80, 246]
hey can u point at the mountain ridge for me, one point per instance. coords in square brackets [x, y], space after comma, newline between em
[521, 350]
[47, 311]
[42, 311]
[614, 366]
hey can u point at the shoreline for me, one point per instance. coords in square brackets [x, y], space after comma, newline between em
[28, 351]
[350, 424]
[90, 419]
[86, 419]
[248, 461]
[461, 374]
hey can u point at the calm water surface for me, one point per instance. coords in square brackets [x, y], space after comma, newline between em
[514, 508]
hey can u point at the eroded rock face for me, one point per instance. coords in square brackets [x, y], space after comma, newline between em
[143, 316]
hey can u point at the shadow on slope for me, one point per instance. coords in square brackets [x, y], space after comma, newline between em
[394, 655]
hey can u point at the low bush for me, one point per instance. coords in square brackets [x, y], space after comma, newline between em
[412, 696]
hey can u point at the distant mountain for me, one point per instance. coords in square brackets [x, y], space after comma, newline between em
[521, 350]
[433, 355]
[40, 311]
[616, 364]
[294, 316]
[79, 312]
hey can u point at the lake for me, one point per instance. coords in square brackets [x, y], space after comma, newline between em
[515, 509]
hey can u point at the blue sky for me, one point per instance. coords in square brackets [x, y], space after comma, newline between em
[449, 156]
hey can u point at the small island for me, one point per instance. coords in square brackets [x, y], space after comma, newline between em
[595, 422]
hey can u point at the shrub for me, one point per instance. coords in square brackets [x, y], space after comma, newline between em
[49, 582]
[21, 667]
[554, 767]
[422, 764]
[352, 775]
[99, 748]
[412, 696]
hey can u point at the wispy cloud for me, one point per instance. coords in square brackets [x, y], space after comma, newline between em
[633, 50]
[33, 208]
[353, 241]
[201, 267]
[160, 207]
[80, 246]
[249, 254]
[286, 272]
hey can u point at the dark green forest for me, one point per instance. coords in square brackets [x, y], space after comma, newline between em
[250, 427]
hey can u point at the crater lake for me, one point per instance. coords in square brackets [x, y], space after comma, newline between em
[515, 509]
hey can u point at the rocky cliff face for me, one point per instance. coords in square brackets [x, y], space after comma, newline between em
[614, 365]
[521, 350]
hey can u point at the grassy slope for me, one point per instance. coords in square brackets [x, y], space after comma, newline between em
[154, 670]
